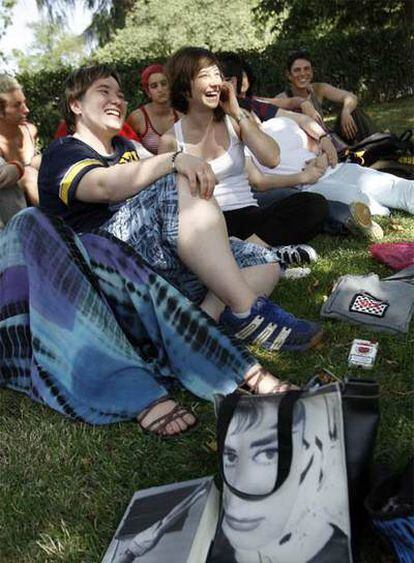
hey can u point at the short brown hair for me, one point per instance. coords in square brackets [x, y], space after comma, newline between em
[7, 84]
[182, 68]
[293, 56]
[78, 83]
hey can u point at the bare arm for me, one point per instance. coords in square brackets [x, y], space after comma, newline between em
[315, 131]
[168, 143]
[263, 182]
[121, 181]
[264, 148]
[136, 121]
[29, 185]
[283, 101]
[311, 127]
[9, 175]
[349, 102]
[36, 161]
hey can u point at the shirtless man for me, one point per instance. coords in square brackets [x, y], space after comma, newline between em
[352, 124]
[18, 143]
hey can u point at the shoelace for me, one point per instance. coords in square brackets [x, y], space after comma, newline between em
[291, 254]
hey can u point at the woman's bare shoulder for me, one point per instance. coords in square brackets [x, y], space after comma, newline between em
[136, 120]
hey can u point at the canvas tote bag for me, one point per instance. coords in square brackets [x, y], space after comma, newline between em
[283, 467]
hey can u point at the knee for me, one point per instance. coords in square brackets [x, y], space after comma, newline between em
[316, 205]
[203, 214]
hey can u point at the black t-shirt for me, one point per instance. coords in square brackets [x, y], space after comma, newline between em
[64, 163]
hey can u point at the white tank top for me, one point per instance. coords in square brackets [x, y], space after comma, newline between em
[292, 141]
[232, 190]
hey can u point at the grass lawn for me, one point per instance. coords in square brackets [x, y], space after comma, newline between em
[64, 485]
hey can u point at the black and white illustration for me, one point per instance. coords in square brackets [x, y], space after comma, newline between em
[306, 519]
[161, 524]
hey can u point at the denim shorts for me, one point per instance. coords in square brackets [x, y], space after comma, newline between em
[149, 223]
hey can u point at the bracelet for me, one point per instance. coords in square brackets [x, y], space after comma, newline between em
[19, 167]
[240, 117]
[174, 157]
[323, 136]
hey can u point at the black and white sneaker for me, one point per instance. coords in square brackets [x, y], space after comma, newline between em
[295, 254]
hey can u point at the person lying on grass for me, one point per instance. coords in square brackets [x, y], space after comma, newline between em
[308, 162]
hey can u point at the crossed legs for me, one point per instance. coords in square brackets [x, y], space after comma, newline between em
[203, 246]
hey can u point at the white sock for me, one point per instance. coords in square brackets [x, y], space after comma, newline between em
[242, 315]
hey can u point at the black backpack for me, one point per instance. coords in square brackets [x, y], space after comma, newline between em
[384, 151]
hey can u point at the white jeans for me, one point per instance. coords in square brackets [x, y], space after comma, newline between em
[379, 190]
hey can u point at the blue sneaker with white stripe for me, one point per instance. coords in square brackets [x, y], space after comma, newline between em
[272, 328]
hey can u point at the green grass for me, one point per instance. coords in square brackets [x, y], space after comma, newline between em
[396, 116]
[64, 486]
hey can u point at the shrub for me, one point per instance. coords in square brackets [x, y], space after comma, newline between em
[376, 66]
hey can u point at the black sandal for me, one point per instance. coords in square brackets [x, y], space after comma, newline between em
[159, 424]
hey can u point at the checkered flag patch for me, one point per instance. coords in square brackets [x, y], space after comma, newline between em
[368, 305]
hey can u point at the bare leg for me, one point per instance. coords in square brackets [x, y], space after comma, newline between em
[203, 245]
[259, 380]
[262, 279]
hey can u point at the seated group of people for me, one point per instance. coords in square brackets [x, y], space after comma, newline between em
[122, 274]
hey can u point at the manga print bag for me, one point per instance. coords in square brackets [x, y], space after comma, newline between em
[285, 490]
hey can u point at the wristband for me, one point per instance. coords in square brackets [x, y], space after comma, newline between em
[174, 157]
[241, 115]
[323, 136]
[19, 167]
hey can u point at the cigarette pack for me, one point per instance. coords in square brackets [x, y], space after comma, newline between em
[363, 353]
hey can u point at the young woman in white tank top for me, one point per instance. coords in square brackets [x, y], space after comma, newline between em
[215, 128]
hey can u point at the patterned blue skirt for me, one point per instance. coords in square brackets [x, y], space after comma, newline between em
[149, 223]
[89, 329]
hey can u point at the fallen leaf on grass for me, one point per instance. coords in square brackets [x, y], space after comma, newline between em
[212, 446]
[396, 227]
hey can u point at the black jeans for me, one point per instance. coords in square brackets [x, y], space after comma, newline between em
[294, 220]
[338, 217]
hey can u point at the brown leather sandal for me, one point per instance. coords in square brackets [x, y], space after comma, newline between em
[159, 424]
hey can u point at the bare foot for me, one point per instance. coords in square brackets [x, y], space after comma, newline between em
[166, 418]
[261, 381]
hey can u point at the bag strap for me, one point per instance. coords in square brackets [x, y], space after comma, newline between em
[405, 136]
[284, 436]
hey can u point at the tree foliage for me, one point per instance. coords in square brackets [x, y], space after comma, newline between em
[316, 17]
[51, 48]
[108, 15]
[157, 28]
[6, 7]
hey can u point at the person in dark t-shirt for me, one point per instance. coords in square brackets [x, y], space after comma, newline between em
[162, 207]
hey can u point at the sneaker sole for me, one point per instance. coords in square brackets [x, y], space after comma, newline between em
[311, 252]
[361, 222]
